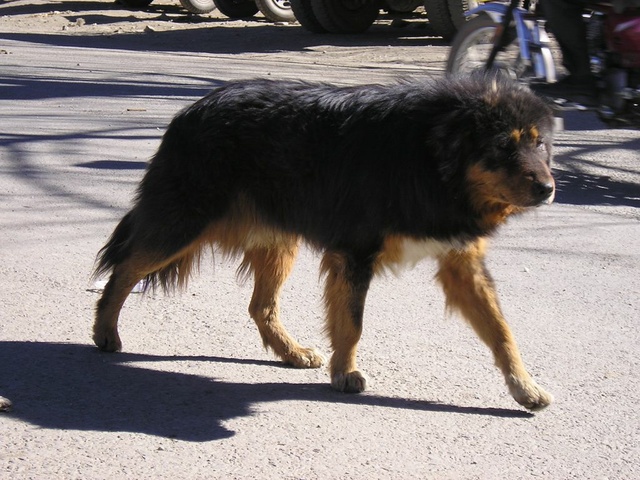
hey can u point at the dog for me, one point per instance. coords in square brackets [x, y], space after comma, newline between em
[373, 177]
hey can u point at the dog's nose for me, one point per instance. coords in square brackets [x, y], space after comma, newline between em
[543, 190]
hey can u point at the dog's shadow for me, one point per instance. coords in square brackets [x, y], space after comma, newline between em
[76, 387]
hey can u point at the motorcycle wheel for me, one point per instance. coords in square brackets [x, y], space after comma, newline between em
[304, 15]
[276, 10]
[198, 6]
[473, 44]
[237, 8]
[345, 16]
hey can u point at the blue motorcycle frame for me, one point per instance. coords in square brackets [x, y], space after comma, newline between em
[533, 40]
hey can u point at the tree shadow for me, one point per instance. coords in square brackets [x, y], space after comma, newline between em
[576, 185]
[59, 85]
[228, 39]
[113, 165]
[82, 6]
[213, 35]
[76, 387]
[580, 188]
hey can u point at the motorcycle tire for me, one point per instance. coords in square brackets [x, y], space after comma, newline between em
[276, 10]
[306, 18]
[346, 16]
[198, 6]
[237, 8]
[473, 44]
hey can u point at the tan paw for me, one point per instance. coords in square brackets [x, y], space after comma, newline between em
[352, 382]
[5, 404]
[305, 358]
[107, 341]
[529, 394]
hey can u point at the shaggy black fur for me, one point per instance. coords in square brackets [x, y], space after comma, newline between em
[340, 166]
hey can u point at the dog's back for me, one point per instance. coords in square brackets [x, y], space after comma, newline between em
[335, 165]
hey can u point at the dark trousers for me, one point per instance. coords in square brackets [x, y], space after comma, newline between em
[564, 19]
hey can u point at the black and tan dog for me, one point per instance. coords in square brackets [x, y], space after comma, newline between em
[374, 177]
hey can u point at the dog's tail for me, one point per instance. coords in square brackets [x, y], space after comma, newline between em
[117, 249]
[170, 275]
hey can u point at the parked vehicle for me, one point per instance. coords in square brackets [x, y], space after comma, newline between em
[356, 16]
[198, 6]
[333, 16]
[274, 10]
[446, 17]
[522, 50]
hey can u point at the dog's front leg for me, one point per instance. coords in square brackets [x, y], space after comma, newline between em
[469, 288]
[347, 282]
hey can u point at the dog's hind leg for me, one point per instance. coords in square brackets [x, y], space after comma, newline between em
[271, 266]
[124, 277]
[469, 288]
[347, 283]
[131, 257]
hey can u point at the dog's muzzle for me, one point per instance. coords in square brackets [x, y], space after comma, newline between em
[544, 192]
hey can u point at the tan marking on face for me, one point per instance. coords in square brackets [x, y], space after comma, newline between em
[534, 133]
[491, 195]
[516, 134]
[487, 186]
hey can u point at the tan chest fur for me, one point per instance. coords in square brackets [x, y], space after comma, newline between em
[402, 253]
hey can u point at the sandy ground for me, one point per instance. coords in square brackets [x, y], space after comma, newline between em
[86, 90]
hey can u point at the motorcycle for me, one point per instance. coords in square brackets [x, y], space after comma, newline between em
[512, 38]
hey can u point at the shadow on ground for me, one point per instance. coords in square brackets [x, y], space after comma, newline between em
[576, 186]
[76, 387]
[207, 34]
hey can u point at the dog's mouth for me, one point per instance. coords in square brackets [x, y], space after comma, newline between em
[549, 200]
[529, 199]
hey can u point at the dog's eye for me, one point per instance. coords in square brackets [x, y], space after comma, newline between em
[539, 142]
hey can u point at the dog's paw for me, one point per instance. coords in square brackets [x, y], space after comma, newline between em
[529, 394]
[352, 382]
[5, 404]
[305, 358]
[107, 341]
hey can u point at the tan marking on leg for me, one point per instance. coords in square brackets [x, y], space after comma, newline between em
[124, 277]
[469, 289]
[343, 328]
[271, 266]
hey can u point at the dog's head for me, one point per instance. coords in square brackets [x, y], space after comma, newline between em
[512, 132]
[515, 168]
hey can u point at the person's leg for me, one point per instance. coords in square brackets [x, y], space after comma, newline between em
[564, 19]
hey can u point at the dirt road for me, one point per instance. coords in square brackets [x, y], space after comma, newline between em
[86, 89]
